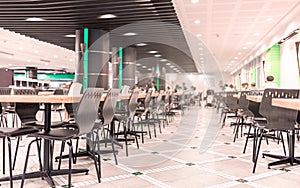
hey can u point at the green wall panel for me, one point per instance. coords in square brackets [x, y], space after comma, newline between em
[272, 65]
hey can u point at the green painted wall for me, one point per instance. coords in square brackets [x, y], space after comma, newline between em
[272, 65]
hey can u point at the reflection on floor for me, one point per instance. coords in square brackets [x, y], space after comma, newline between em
[192, 151]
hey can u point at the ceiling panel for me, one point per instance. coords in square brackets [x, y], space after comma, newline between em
[63, 17]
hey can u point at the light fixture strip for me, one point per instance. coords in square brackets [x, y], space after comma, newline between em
[85, 59]
[120, 67]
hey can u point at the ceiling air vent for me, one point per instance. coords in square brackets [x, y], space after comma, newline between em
[6, 53]
[45, 60]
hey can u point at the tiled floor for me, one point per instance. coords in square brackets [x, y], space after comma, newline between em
[191, 152]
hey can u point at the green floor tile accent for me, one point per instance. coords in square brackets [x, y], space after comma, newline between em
[165, 140]
[242, 181]
[65, 186]
[227, 143]
[106, 159]
[284, 169]
[232, 157]
[190, 164]
[137, 173]
[154, 152]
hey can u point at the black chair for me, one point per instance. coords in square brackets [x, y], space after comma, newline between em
[147, 117]
[8, 133]
[243, 114]
[3, 113]
[85, 116]
[231, 106]
[278, 119]
[127, 121]
[105, 127]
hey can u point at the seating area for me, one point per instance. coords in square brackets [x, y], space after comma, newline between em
[197, 143]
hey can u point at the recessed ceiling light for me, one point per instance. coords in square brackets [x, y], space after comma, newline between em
[36, 51]
[70, 36]
[163, 60]
[55, 56]
[171, 66]
[144, 67]
[138, 64]
[152, 52]
[129, 34]
[239, 53]
[244, 48]
[70, 59]
[168, 64]
[141, 44]
[197, 21]
[194, 1]
[35, 19]
[256, 34]
[9, 64]
[46, 63]
[106, 16]
[248, 42]
[199, 35]
[20, 48]
[28, 60]
[157, 55]
[225, 70]
[149, 69]
[269, 19]
[235, 57]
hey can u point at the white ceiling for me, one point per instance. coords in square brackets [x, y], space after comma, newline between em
[235, 30]
[232, 30]
[19, 51]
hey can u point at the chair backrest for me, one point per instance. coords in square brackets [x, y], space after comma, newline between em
[147, 101]
[87, 110]
[231, 101]
[27, 111]
[125, 90]
[24, 91]
[5, 91]
[109, 106]
[278, 118]
[133, 103]
[58, 92]
[75, 89]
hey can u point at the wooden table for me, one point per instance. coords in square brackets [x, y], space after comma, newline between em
[254, 98]
[47, 171]
[293, 104]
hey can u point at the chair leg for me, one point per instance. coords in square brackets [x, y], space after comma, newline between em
[96, 160]
[16, 153]
[70, 164]
[10, 162]
[60, 155]
[257, 153]
[247, 138]
[4, 155]
[283, 145]
[26, 161]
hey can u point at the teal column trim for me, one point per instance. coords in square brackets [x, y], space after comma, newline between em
[85, 59]
[120, 67]
[157, 78]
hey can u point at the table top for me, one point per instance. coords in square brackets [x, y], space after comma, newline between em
[39, 98]
[57, 98]
[293, 104]
[254, 98]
